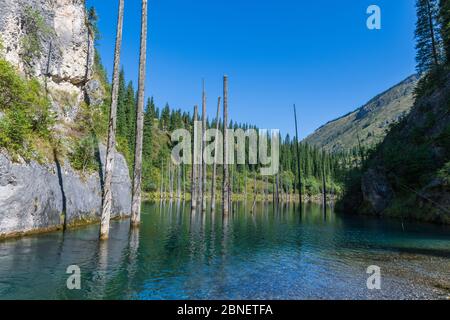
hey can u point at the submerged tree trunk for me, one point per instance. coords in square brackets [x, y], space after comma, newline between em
[299, 176]
[226, 182]
[109, 165]
[171, 174]
[266, 190]
[255, 194]
[137, 179]
[184, 181]
[179, 182]
[273, 190]
[282, 186]
[278, 189]
[162, 181]
[214, 174]
[324, 184]
[194, 166]
[203, 149]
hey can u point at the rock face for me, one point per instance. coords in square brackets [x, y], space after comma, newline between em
[34, 197]
[66, 54]
[377, 191]
[407, 175]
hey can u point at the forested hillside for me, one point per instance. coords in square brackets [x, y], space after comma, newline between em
[408, 174]
[367, 125]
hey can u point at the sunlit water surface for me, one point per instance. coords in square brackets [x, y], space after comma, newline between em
[273, 254]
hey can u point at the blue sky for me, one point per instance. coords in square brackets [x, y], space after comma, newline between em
[318, 54]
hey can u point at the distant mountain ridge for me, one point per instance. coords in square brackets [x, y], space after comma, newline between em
[370, 122]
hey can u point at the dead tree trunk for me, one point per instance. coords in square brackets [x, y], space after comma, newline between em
[216, 143]
[245, 186]
[110, 150]
[204, 172]
[273, 190]
[278, 189]
[179, 182]
[184, 181]
[226, 182]
[170, 173]
[194, 164]
[299, 177]
[162, 181]
[282, 186]
[266, 190]
[136, 201]
[324, 184]
[255, 194]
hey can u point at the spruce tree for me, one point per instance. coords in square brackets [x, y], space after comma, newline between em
[429, 44]
[121, 106]
[445, 27]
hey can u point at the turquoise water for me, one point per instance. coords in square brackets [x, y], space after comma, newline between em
[274, 254]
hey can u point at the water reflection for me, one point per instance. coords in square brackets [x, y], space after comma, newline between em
[285, 251]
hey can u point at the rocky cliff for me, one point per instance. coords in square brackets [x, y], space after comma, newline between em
[35, 197]
[50, 40]
[408, 175]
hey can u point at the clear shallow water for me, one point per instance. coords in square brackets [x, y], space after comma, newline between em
[280, 254]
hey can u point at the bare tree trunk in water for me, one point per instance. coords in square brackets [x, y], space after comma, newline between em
[162, 180]
[281, 186]
[266, 191]
[214, 176]
[203, 148]
[179, 182]
[231, 187]
[245, 186]
[324, 184]
[171, 173]
[226, 182]
[194, 165]
[255, 194]
[299, 177]
[109, 165]
[278, 188]
[273, 190]
[136, 202]
[184, 181]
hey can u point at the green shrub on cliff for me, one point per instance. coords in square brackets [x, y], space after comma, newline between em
[35, 29]
[25, 116]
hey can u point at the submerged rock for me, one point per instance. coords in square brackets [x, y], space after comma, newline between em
[34, 197]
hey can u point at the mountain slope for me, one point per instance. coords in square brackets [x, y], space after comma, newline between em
[408, 174]
[369, 122]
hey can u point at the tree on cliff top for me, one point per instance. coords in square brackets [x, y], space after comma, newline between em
[429, 43]
[445, 21]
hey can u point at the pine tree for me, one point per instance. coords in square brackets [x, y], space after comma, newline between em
[429, 44]
[130, 115]
[147, 144]
[165, 118]
[121, 107]
[445, 27]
